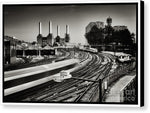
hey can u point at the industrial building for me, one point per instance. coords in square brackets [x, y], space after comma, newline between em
[49, 39]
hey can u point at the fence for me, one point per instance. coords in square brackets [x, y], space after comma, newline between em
[107, 80]
[128, 93]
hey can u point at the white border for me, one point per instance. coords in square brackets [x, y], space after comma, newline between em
[77, 1]
[139, 54]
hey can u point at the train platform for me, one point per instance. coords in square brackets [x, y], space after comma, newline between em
[22, 79]
[37, 69]
[113, 94]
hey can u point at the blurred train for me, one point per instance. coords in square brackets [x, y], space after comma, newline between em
[64, 74]
[88, 49]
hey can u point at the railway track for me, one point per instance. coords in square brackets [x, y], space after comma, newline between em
[73, 90]
[84, 89]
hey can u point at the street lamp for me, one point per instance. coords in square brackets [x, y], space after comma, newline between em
[114, 48]
[39, 48]
[24, 46]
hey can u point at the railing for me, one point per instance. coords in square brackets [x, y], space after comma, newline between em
[127, 93]
[111, 78]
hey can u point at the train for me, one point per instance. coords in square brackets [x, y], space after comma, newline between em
[64, 74]
[89, 49]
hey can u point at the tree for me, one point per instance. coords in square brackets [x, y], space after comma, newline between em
[123, 37]
[108, 35]
[95, 36]
[133, 37]
[108, 30]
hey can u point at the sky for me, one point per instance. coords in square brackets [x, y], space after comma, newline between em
[22, 21]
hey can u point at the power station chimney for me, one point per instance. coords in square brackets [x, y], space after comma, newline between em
[58, 30]
[50, 27]
[67, 29]
[40, 28]
[67, 37]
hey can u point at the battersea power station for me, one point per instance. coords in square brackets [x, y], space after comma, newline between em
[49, 40]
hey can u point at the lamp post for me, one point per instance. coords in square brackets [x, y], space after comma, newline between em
[74, 50]
[24, 46]
[39, 50]
[100, 90]
[114, 48]
[104, 41]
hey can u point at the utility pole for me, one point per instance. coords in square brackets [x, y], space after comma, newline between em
[100, 90]
[114, 48]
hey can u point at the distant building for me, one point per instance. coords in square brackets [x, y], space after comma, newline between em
[48, 40]
[91, 24]
[107, 28]
[67, 36]
[10, 49]
[109, 21]
[106, 34]
[119, 28]
[11, 44]
[57, 39]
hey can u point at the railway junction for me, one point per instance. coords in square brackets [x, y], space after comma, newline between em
[79, 76]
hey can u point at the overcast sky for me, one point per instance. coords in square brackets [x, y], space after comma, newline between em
[22, 21]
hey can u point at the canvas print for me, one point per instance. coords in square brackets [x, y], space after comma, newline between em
[71, 53]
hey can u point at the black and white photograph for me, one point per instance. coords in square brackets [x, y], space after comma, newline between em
[74, 53]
